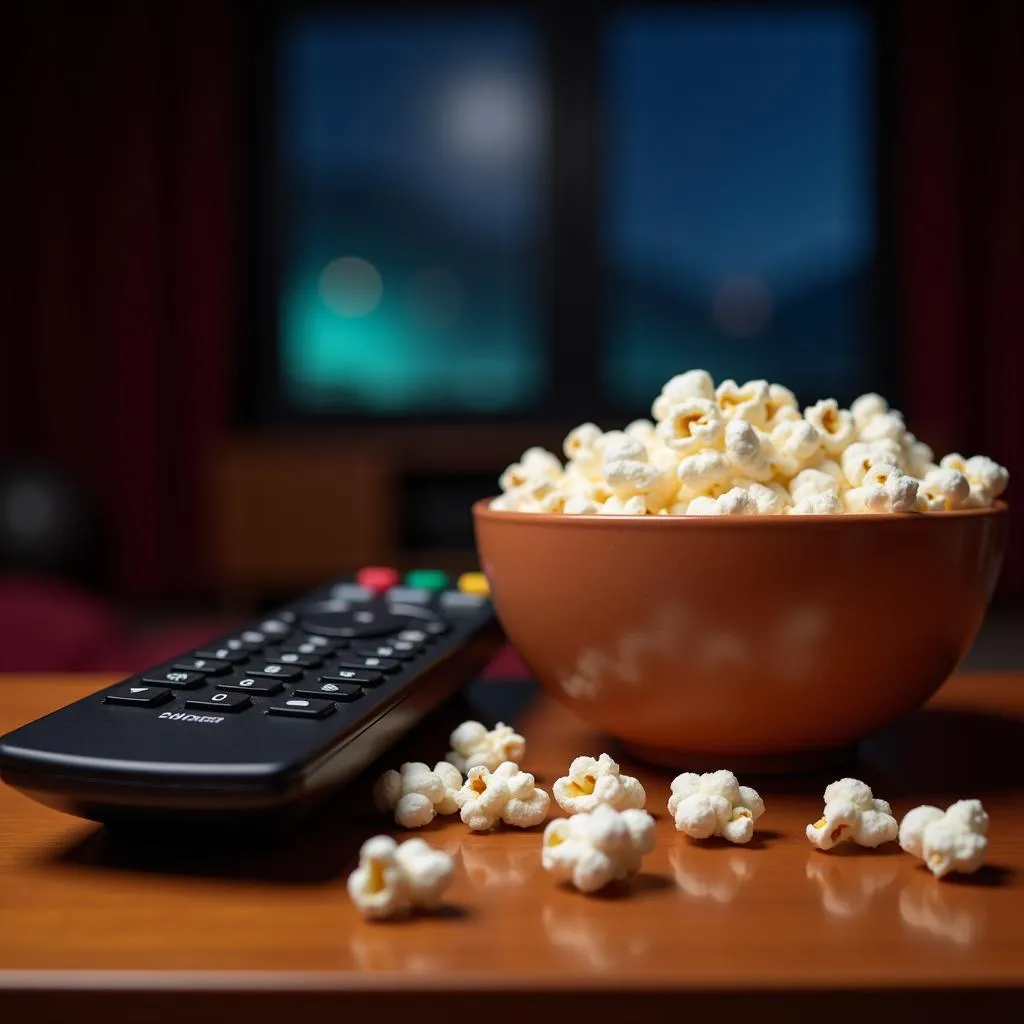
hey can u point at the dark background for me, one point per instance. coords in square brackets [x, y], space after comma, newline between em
[158, 475]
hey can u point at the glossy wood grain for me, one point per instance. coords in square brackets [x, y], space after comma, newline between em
[76, 904]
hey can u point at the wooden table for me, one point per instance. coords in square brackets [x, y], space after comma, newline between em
[92, 927]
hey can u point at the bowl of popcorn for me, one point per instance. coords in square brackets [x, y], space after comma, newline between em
[737, 578]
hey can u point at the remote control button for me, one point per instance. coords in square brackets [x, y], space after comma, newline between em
[283, 657]
[377, 578]
[310, 650]
[435, 628]
[406, 647]
[352, 675]
[359, 622]
[274, 671]
[274, 627]
[351, 592]
[383, 651]
[427, 579]
[251, 684]
[299, 708]
[252, 636]
[235, 643]
[377, 664]
[410, 595]
[301, 640]
[176, 679]
[474, 583]
[345, 692]
[208, 666]
[230, 702]
[457, 601]
[221, 654]
[414, 636]
[139, 696]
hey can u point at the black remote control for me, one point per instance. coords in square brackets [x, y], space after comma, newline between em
[258, 727]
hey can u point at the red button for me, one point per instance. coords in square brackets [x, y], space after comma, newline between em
[378, 578]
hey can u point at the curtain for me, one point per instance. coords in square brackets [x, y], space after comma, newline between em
[960, 154]
[116, 310]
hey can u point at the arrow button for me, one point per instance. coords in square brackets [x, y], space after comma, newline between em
[138, 696]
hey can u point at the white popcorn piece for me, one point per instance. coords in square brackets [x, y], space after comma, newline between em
[415, 793]
[943, 490]
[780, 406]
[618, 445]
[867, 407]
[691, 425]
[860, 456]
[642, 431]
[533, 464]
[947, 841]
[592, 782]
[506, 794]
[580, 506]
[888, 489]
[917, 458]
[627, 477]
[581, 440]
[714, 804]
[745, 451]
[702, 506]
[616, 506]
[987, 478]
[474, 746]
[697, 473]
[835, 425]
[595, 848]
[794, 444]
[743, 402]
[824, 503]
[737, 501]
[770, 499]
[809, 483]
[393, 879]
[887, 426]
[852, 813]
[681, 388]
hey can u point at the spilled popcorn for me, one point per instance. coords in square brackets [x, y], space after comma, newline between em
[852, 813]
[595, 781]
[714, 804]
[592, 849]
[415, 793]
[506, 794]
[746, 449]
[394, 879]
[474, 746]
[950, 840]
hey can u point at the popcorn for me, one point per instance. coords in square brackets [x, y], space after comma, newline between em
[393, 879]
[506, 794]
[699, 472]
[473, 746]
[942, 490]
[950, 840]
[415, 793]
[593, 782]
[706, 448]
[691, 425]
[692, 384]
[594, 848]
[744, 449]
[852, 813]
[835, 425]
[714, 804]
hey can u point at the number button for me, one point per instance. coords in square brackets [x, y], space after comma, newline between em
[227, 702]
[208, 666]
[176, 679]
[250, 684]
[221, 654]
[378, 664]
[302, 708]
[275, 671]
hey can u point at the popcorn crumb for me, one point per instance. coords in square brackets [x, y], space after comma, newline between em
[415, 793]
[394, 879]
[714, 804]
[852, 813]
[474, 746]
[592, 782]
[506, 794]
[593, 848]
[947, 841]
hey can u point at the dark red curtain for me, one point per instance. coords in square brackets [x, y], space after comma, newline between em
[961, 199]
[116, 312]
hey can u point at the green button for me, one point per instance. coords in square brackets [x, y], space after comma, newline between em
[426, 579]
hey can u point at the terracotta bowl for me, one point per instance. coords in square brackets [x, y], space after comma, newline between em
[756, 643]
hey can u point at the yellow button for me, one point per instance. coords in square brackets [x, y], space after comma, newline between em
[474, 583]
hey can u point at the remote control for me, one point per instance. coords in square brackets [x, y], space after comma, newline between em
[258, 727]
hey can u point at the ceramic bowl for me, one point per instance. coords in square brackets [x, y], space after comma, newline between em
[760, 642]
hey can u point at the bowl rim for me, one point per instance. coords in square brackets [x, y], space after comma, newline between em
[481, 510]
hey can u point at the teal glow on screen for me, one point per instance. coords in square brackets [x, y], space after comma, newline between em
[410, 153]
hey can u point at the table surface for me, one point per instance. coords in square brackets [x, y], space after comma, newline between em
[81, 910]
